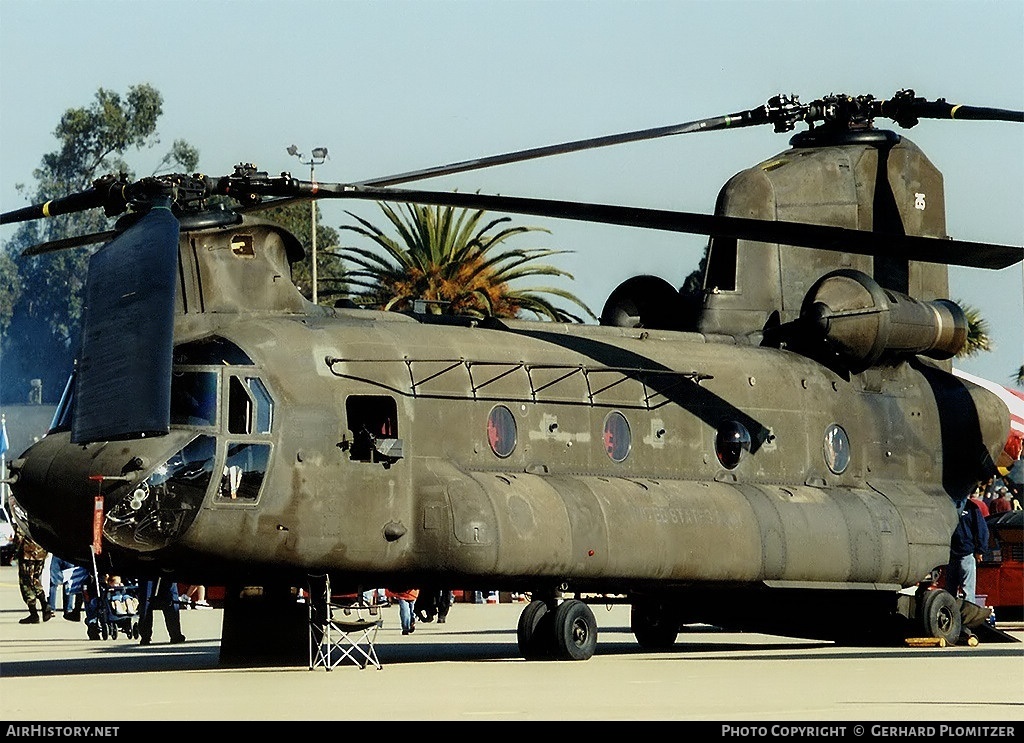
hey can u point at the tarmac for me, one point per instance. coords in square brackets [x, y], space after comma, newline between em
[469, 669]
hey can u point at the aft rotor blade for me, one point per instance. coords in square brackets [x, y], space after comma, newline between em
[841, 239]
[730, 121]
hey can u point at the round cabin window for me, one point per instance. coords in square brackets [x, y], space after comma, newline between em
[732, 440]
[836, 448]
[617, 437]
[501, 431]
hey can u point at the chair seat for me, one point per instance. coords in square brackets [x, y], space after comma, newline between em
[358, 624]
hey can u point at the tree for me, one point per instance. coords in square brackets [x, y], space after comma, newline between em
[456, 262]
[41, 297]
[978, 338]
[10, 290]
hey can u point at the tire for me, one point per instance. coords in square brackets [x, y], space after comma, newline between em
[534, 632]
[575, 631]
[653, 626]
[939, 616]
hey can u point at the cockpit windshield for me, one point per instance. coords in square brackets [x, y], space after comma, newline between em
[162, 507]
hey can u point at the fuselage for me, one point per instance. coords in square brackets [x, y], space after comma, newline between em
[379, 446]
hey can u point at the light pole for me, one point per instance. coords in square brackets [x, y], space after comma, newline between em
[316, 157]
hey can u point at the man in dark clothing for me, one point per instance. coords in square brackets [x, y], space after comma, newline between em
[162, 594]
[969, 543]
[433, 602]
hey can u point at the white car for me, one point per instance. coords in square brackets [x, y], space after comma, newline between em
[6, 537]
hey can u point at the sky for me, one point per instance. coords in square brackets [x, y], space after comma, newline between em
[398, 85]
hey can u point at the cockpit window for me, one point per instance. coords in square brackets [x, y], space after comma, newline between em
[250, 407]
[240, 407]
[264, 404]
[194, 398]
[244, 470]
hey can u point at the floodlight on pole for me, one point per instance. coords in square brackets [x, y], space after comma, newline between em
[316, 157]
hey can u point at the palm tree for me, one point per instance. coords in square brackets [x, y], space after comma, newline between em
[456, 262]
[978, 338]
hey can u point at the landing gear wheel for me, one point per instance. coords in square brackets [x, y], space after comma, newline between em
[575, 631]
[652, 626]
[534, 632]
[939, 615]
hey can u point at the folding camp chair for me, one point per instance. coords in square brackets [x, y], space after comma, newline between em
[341, 629]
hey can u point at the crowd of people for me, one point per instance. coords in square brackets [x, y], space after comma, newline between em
[121, 604]
[997, 495]
[131, 605]
[971, 542]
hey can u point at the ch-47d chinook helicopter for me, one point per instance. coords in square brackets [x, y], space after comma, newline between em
[783, 451]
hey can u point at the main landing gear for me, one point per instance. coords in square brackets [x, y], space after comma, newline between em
[557, 631]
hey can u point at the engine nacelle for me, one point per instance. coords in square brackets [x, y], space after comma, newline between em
[864, 323]
[643, 302]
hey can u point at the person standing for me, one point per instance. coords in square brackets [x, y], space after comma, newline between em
[31, 559]
[67, 581]
[406, 599]
[966, 548]
[433, 602]
[161, 593]
[444, 603]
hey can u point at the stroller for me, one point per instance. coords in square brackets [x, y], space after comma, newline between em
[114, 609]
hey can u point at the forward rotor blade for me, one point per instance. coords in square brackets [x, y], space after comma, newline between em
[731, 121]
[68, 242]
[74, 203]
[123, 387]
[841, 239]
[902, 110]
[105, 192]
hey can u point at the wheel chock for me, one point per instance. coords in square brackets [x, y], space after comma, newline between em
[926, 642]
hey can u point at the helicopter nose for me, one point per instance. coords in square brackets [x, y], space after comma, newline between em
[42, 506]
[54, 485]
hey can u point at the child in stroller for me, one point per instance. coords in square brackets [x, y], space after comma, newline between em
[115, 609]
